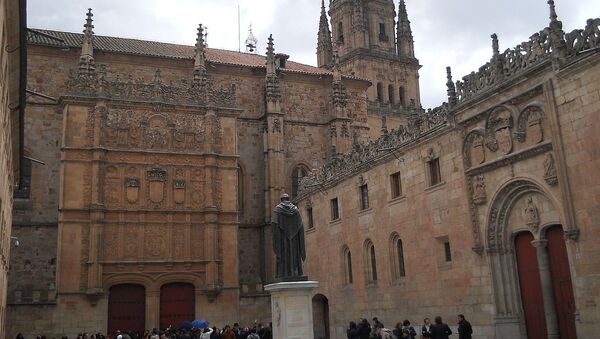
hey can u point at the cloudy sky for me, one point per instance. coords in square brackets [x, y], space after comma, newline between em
[447, 33]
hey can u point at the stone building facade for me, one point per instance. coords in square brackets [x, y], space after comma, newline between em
[11, 27]
[485, 206]
[162, 164]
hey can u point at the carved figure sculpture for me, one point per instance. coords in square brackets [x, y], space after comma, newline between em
[532, 215]
[288, 240]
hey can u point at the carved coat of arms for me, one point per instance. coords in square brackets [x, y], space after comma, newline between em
[132, 190]
[179, 191]
[156, 184]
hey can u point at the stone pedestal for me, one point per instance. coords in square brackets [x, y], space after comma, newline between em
[291, 307]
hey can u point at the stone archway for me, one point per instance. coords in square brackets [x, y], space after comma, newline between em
[519, 206]
[320, 317]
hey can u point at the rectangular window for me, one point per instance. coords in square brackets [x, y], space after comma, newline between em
[447, 251]
[335, 212]
[309, 216]
[396, 185]
[364, 197]
[24, 191]
[435, 176]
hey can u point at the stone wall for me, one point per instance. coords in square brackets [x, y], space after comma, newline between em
[520, 158]
[9, 135]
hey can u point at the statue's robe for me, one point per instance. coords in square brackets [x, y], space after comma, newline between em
[288, 240]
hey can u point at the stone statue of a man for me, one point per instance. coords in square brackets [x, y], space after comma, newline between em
[288, 240]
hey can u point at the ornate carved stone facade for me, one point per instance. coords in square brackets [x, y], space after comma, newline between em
[164, 163]
[511, 155]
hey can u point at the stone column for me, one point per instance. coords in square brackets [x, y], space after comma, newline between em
[541, 247]
[152, 309]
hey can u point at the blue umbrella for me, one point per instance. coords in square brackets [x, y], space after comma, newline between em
[200, 323]
[185, 325]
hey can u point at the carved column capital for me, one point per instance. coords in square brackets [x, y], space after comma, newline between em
[540, 243]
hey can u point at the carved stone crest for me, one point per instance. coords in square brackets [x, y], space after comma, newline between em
[479, 194]
[132, 190]
[179, 191]
[156, 184]
[504, 139]
[532, 215]
[477, 151]
[550, 170]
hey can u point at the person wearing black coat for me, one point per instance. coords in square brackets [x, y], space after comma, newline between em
[352, 332]
[464, 328]
[426, 329]
[439, 330]
[364, 329]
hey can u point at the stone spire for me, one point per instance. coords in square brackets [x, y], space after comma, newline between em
[557, 35]
[199, 57]
[495, 45]
[86, 60]
[324, 44]
[339, 96]
[553, 15]
[272, 82]
[404, 40]
[452, 99]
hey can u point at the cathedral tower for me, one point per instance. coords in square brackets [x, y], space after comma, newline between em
[376, 44]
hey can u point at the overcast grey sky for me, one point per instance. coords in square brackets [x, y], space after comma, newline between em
[447, 33]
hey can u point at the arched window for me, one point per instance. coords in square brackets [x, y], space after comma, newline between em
[402, 96]
[397, 257]
[347, 265]
[391, 94]
[379, 92]
[298, 173]
[240, 190]
[370, 262]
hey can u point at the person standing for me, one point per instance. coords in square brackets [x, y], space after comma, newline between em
[439, 330]
[426, 329]
[352, 332]
[364, 329]
[464, 328]
[411, 330]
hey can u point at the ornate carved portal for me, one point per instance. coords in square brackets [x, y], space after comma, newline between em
[519, 206]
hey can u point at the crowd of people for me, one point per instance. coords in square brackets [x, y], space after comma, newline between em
[361, 330]
[404, 330]
[257, 331]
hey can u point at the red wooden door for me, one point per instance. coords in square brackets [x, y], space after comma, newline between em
[561, 283]
[127, 308]
[177, 304]
[531, 286]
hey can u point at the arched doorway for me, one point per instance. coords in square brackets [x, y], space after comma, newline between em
[127, 308]
[561, 282]
[177, 304]
[320, 305]
[529, 264]
[531, 287]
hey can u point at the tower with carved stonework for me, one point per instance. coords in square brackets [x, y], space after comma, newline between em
[376, 44]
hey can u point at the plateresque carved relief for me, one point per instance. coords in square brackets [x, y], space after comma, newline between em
[499, 130]
[530, 125]
[135, 129]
